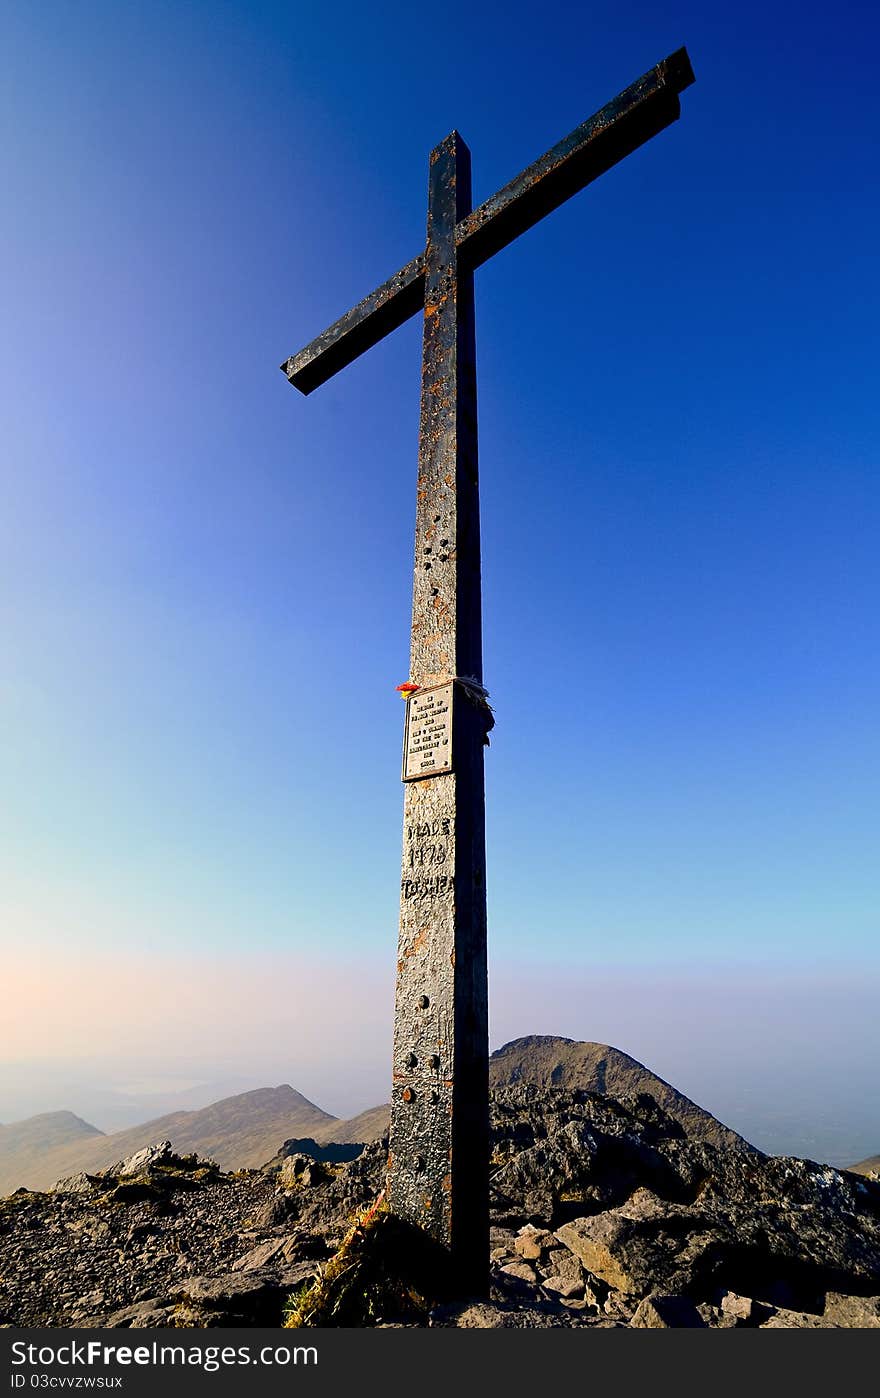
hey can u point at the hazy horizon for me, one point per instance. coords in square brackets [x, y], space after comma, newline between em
[764, 1051]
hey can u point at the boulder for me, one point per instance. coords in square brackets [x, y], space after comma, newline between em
[258, 1256]
[143, 1160]
[300, 1171]
[599, 1242]
[561, 1262]
[520, 1271]
[741, 1309]
[143, 1315]
[795, 1320]
[715, 1318]
[292, 1277]
[532, 1242]
[667, 1313]
[250, 1298]
[80, 1183]
[852, 1312]
[566, 1288]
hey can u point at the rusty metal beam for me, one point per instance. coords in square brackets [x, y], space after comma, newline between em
[644, 109]
[402, 296]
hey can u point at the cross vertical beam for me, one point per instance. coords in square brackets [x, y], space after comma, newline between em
[439, 1146]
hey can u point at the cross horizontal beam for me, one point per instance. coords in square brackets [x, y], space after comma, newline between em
[643, 110]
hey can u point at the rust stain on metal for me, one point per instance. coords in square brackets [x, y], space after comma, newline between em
[418, 944]
[643, 110]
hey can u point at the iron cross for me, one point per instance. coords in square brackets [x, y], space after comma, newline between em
[438, 1166]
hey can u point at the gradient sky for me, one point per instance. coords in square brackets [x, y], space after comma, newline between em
[678, 417]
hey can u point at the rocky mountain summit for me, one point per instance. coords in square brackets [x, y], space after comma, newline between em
[547, 1060]
[605, 1212]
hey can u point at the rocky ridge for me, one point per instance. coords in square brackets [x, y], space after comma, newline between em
[604, 1213]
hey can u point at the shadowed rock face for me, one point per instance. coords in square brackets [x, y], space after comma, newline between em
[336, 1153]
[605, 1212]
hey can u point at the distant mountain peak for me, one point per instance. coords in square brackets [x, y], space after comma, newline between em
[548, 1060]
[60, 1123]
[531, 1041]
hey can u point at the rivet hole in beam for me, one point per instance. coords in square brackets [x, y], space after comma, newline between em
[643, 110]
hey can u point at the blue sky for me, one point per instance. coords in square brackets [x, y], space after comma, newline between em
[678, 417]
